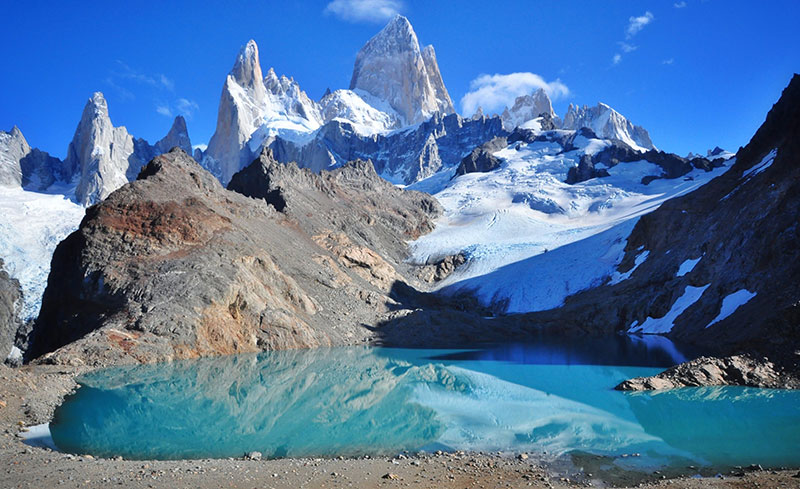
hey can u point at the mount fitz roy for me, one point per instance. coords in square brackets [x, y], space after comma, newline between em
[396, 113]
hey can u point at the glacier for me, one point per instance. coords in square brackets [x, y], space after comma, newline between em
[531, 239]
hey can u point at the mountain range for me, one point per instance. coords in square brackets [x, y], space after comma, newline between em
[403, 215]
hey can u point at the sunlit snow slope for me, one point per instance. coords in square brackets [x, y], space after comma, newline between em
[530, 238]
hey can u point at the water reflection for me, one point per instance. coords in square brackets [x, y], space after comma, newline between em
[353, 401]
[296, 403]
[620, 350]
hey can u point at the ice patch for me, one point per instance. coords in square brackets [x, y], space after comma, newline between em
[765, 163]
[664, 325]
[688, 266]
[618, 277]
[39, 436]
[731, 303]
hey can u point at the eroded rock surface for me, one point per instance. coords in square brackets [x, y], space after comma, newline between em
[175, 266]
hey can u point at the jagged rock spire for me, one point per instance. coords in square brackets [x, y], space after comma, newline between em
[178, 136]
[392, 67]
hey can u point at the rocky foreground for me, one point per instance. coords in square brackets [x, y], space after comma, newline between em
[175, 266]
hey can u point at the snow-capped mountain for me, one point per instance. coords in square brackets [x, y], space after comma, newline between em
[395, 85]
[392, 67]
[526, 108]
[351, 106]
[607, 123]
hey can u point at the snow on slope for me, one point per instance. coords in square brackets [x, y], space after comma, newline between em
[531, 239]
[664, 324]
[731, 303]
[31, 225]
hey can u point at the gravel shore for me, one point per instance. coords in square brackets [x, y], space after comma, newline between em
[29, 395]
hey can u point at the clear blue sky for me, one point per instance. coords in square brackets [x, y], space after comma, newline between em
[702, 73]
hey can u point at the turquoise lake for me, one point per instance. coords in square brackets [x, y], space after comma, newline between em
[549, 399]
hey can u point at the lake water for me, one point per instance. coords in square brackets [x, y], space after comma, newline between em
[550, 399]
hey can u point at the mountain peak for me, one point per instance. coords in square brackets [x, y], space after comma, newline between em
[178, 136]
[527, 107]
[398, 34]
[392, 68]
[609, 124]
[96, 107]
[247, 69]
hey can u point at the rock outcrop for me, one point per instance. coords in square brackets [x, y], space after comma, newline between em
[744, 370]
[175, 266]
[482, 158]
[585, 171]
[10, 306]
[13, 147]
[392, 67]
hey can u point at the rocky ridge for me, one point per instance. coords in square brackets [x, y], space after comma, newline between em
[175, 266]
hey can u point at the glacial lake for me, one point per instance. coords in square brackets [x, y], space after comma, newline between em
[550, 399]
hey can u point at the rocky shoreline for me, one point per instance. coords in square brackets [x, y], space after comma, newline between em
[743, 370]
[30, 394]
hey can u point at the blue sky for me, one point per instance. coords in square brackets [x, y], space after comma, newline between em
[695, 73]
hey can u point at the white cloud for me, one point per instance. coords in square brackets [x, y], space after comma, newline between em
[187, 108]
[627, 48]
[364, 10]
[201, 146]
[668, 61]
[679, 4]
[166, 82]
[635, 24]
[181, 106]
[156, 81]
[494, 92]
[617, 58]
[164, 110]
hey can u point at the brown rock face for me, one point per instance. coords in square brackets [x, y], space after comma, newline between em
[175, 266]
